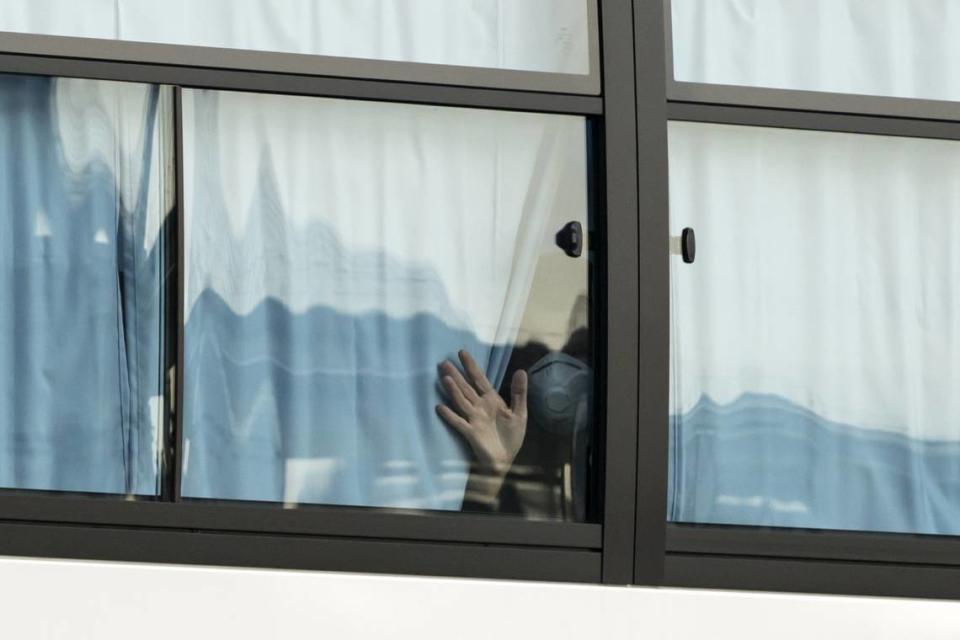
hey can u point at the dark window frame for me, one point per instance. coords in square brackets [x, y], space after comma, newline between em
[48, 524]
[777, 559]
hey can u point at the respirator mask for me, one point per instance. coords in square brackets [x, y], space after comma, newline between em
[559, 398]
[559, 393]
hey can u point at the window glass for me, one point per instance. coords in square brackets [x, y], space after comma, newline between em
[336, 253]
[531, 35]
[83, 196]
[900, 48]
[816, 338]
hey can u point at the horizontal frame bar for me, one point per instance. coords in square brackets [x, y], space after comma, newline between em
[312, 65]
[297, 552]
[810, 576]
[814, 120]
[814, 544]
[234, 80]
[320, 520]
[720, 94]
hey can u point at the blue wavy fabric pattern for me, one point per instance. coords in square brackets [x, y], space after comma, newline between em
[80, 316]
[763, 460]
[351, 397]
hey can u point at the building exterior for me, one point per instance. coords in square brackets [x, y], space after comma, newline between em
[591, 303]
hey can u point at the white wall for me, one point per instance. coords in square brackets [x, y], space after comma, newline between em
[77, 600]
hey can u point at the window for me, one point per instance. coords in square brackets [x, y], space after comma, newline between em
[812, 382]
[897, 48]
[481, 41]
[305, 312]
[336, 252]
[812, 153]
[85, 192]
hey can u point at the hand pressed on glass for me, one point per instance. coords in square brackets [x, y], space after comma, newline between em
[493, 430]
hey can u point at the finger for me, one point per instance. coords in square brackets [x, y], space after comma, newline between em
[477, 376]
[518, 393]
[453, 420]
[447, 368]
[456, 395]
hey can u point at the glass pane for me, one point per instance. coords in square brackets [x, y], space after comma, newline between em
[900, 48]
[338, 251]
[816, 339]
[83, 195]
[530, 35]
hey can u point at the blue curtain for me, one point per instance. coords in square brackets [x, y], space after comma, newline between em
[765, 461]
[80, 316]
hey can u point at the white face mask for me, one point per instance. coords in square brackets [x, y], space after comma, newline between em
[559, 393]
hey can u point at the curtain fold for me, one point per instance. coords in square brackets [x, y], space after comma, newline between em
[81, 201]
[336, 252]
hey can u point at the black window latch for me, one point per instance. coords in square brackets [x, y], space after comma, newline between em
[688, 245]
[570, 239]
[684, 245]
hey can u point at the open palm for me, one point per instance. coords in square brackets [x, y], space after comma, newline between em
[494, 430]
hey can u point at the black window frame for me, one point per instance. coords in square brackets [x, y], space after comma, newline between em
[34, 523]
[758, 558]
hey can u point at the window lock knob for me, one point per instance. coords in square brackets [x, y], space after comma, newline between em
[570, 239]
[685, 245]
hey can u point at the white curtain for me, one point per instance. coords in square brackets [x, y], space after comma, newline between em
[816, 339]
[533, 35]
[903, 48]
[336, 252]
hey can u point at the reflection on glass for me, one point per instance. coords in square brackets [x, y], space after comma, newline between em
[83, 194]
[530, 35]
[337, 252]
[900, 48]
[816, 338]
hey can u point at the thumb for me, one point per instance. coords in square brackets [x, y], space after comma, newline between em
[518, 392]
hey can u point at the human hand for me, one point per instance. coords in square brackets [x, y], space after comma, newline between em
[493, 430]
